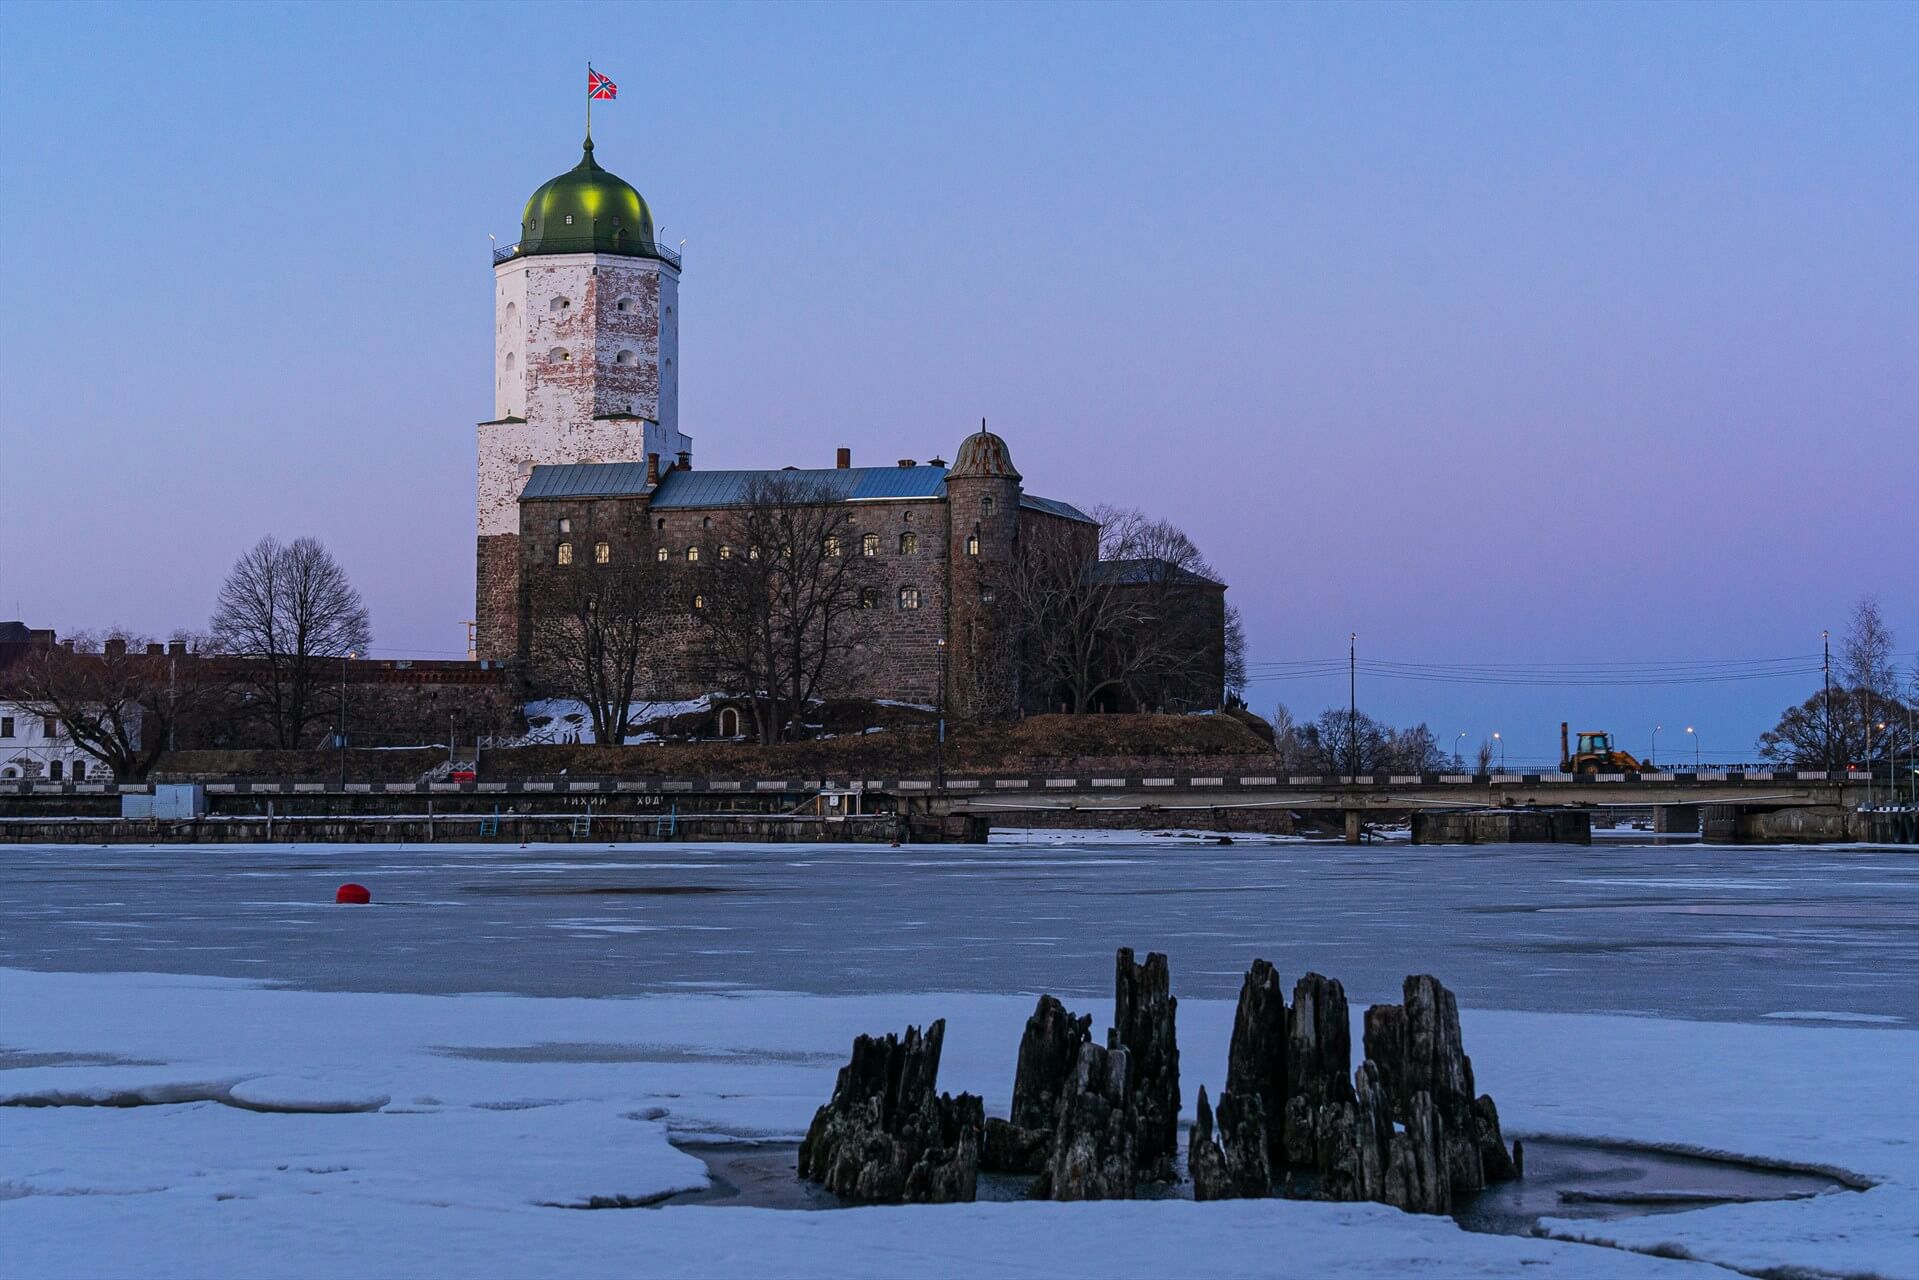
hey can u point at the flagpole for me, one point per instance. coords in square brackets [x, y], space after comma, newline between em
[589, 99]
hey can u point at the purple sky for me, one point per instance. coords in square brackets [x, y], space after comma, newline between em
[1545, 334]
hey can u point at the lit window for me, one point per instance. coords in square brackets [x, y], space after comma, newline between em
[870, 545]
[565, 525]
[602, 553]
[752, 553]
[909, 597]
[909, 544]
[972, 544]
[661, 555]
[986, 595]
[869, 598]
[726, 552]
[907, 515]
[699, 601]
[569, 219]
[626, 357]
[692, 553]
[566, 553]
[832, 545]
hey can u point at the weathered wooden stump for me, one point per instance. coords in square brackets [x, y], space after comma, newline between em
[886, 1137]
[1143, 1025]
[1205, 1159]
[1451, 1145]
[1048, 1050]
[1256, 1059]
[1319, 1060]
[1095, 1152]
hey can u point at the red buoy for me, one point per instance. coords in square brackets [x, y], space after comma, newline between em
[357, 894]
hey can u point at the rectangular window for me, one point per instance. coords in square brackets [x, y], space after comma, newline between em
[79, 770]
[869, 598]
[602, 553]
[566, 526]
[6, 726]
[50, 728]
[53, 771]
[909, 597]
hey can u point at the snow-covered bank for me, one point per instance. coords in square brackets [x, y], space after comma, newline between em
[503, 1106]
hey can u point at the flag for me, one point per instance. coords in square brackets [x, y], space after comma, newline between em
[598, 86]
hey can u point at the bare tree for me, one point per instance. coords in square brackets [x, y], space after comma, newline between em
[601, 636]
[1866, 655]
[1854, 726]
[1483, 758]
[117, 702]
[1136, 610]
[776, 599]
[1235, 655]
[286, 609]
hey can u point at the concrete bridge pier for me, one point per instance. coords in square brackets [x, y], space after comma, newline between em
[1353, 826]
[1675, 819]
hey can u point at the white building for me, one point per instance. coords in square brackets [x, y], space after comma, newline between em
[37, 748]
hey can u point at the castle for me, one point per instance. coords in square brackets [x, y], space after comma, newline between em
[584, 465]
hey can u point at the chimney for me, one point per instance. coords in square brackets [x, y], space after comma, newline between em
[843, 460]
[652, 468]
[936, 461]
[906, 463]
[155, 649]
[117, 647]
[686, 460]
[177, 648]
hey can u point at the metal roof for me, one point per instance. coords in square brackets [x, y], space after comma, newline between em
[1148, 569]
[586, 480]
[851, 484]
[1054, 507]
[683, 490]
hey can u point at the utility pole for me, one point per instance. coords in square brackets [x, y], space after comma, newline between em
[1352, 704]
[1825, 639]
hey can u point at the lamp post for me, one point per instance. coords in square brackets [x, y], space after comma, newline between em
[1695, 747]
[1462, 734]
[1502, 750]
[1653, 759]
[344, 658]
[939, 744]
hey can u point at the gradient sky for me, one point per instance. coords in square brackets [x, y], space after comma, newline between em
[1493, 333]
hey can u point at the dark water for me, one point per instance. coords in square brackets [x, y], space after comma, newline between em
[1563, 1180]
[1685, 931]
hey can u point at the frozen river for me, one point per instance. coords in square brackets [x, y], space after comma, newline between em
[1710, 933]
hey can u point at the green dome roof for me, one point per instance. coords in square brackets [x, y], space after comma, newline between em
[587, 210]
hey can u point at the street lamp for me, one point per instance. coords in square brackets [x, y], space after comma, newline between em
[939, 745]
[1502, 750]
[1695, 747]
[1462, 734]
[1654, 757]
[344, 658]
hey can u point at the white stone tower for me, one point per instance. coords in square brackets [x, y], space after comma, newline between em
[585, 348]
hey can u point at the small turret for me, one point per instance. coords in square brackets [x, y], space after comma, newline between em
[982, 505]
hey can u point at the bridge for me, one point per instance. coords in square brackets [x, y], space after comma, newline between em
[1731, 805]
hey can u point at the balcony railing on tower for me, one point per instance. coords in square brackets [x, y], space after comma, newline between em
[654, 250]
